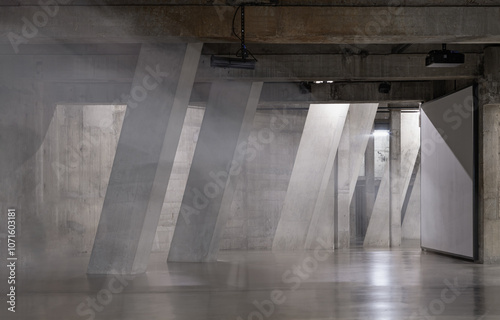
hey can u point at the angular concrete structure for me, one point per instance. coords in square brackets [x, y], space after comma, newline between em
[350, 156]
[387, 210]
[370, 190]
[377, 233]
[411, 220]
[410, 164]
[150, 133]
[395, 179]
[219, 154]
[311, 174]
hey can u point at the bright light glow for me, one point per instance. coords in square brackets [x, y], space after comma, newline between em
[321, 81]
[381, 133]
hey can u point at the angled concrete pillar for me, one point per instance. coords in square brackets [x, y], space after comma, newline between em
[238, 160]
[350, 157]
[362, 117]
[150, 133]
[395, 178]
[411, 219]
[219, 154]
[377, 233]
[370, 191]
[311, 172]
[410, 146]
[342, 210]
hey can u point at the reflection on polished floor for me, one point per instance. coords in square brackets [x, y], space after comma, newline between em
[345, 284]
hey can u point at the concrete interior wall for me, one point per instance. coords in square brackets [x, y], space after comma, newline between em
[260, 187]
[70, 173]
[263, 182]
[77, 153]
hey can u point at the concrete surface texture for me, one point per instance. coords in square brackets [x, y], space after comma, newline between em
[146, 149]
[411, 222]
[314, 162]
[350, 156]
[218, 156]
[410, 147]
[488, 158]
[263, 181]
[178, 179]
[280, 24]
[64, 182]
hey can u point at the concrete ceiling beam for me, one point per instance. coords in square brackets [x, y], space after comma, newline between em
[264, 24]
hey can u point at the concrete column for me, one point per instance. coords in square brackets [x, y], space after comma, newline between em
[361, 124]
[489, 159]
[411, 220]
[362, 117]
[370, 191]
[342, 210]
[310, 176]
[219, 154]
[395, 179]
[238, 160]
[351, 149]
[410, 146]
[377, 233]
[146, 149]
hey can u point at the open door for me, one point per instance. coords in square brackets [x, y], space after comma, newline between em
[449, 174]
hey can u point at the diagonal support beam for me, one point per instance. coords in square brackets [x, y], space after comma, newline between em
[148, 141]
[219, 154]
[313, 163]
[350, 156]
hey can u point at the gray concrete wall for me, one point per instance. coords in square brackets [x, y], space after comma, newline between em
[65, 181]
[262, 184]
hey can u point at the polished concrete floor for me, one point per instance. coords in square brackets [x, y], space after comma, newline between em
[345, 284]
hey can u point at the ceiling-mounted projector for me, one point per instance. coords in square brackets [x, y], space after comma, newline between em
[444, 58]
[237, 63]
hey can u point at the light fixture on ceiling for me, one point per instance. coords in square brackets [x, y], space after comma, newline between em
[241, 61]
[444, 58]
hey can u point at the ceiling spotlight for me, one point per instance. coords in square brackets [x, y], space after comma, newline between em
[444, 58]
